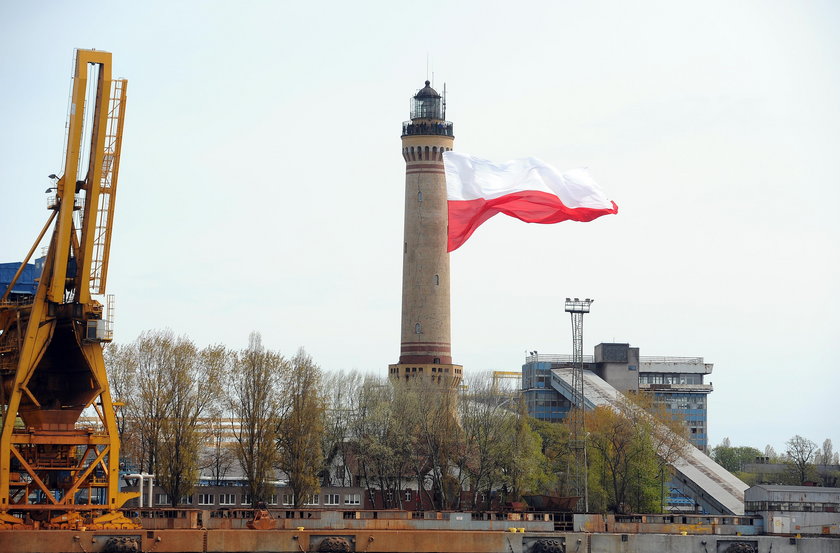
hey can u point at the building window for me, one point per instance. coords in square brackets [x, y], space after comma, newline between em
[227, 499]
[313, 499]
[419, 195]
[352, 499]
[331, 499]
[288, 499]
[162, 499]
[205, 499]
[437, 280]
[418, 329]
[408, 495]
[186, 500]
[272, 500]
[246, 499]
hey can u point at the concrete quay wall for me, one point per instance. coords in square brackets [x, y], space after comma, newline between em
[390, 541]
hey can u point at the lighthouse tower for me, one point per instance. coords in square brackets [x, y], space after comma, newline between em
[425, 347]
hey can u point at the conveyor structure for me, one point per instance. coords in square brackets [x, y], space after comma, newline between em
[711, 486]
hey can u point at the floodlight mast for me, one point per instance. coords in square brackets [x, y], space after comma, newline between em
[577, 307]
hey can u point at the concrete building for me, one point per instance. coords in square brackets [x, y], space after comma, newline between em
[209, 496]
[426, 345]
[676, 383]
[795, 509]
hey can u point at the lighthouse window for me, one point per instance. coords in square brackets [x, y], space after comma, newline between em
[419, 195]
[417, 329]
[437, 280]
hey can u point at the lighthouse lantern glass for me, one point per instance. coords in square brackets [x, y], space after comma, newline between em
[426, 107]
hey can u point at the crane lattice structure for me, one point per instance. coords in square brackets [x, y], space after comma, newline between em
[502, 381]
[54, 468]
[577, 307]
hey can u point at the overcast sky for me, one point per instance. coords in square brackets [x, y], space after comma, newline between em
[261, 185]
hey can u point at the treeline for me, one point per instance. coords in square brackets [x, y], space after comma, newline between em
[187, 410]
[802, 462]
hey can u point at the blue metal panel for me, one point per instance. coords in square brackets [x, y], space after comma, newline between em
[26, 283]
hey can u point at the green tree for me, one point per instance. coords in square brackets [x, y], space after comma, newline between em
[148, 408]
[734, 458]
[527, 469]
[168, 387]
[625, 473]
[301, 430]
[557, 448]
[192, 383]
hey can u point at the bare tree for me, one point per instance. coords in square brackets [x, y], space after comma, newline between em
[799, 457]
[122, 379]
[167, 387]
[487, 422]
[428, 415]
[301, 429]
[149, 407]
[825, 455]
[253, 391]
[382, 440]
[219, 456]
[341, 392]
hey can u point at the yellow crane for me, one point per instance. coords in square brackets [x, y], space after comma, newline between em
[53, 469]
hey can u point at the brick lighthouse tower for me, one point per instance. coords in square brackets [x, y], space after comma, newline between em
[425, 347]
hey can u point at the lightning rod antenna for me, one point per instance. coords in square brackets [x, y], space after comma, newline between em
[444, 101]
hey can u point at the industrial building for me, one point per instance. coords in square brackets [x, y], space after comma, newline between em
[795, 509]
[676, 383]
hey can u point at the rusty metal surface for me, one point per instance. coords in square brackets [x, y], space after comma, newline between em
[378, 541]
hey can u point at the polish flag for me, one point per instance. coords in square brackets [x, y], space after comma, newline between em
[526, 188]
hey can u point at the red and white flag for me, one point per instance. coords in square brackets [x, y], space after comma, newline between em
[526, 188]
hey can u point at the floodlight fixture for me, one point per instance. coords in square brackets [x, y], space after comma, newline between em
[578, 305]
